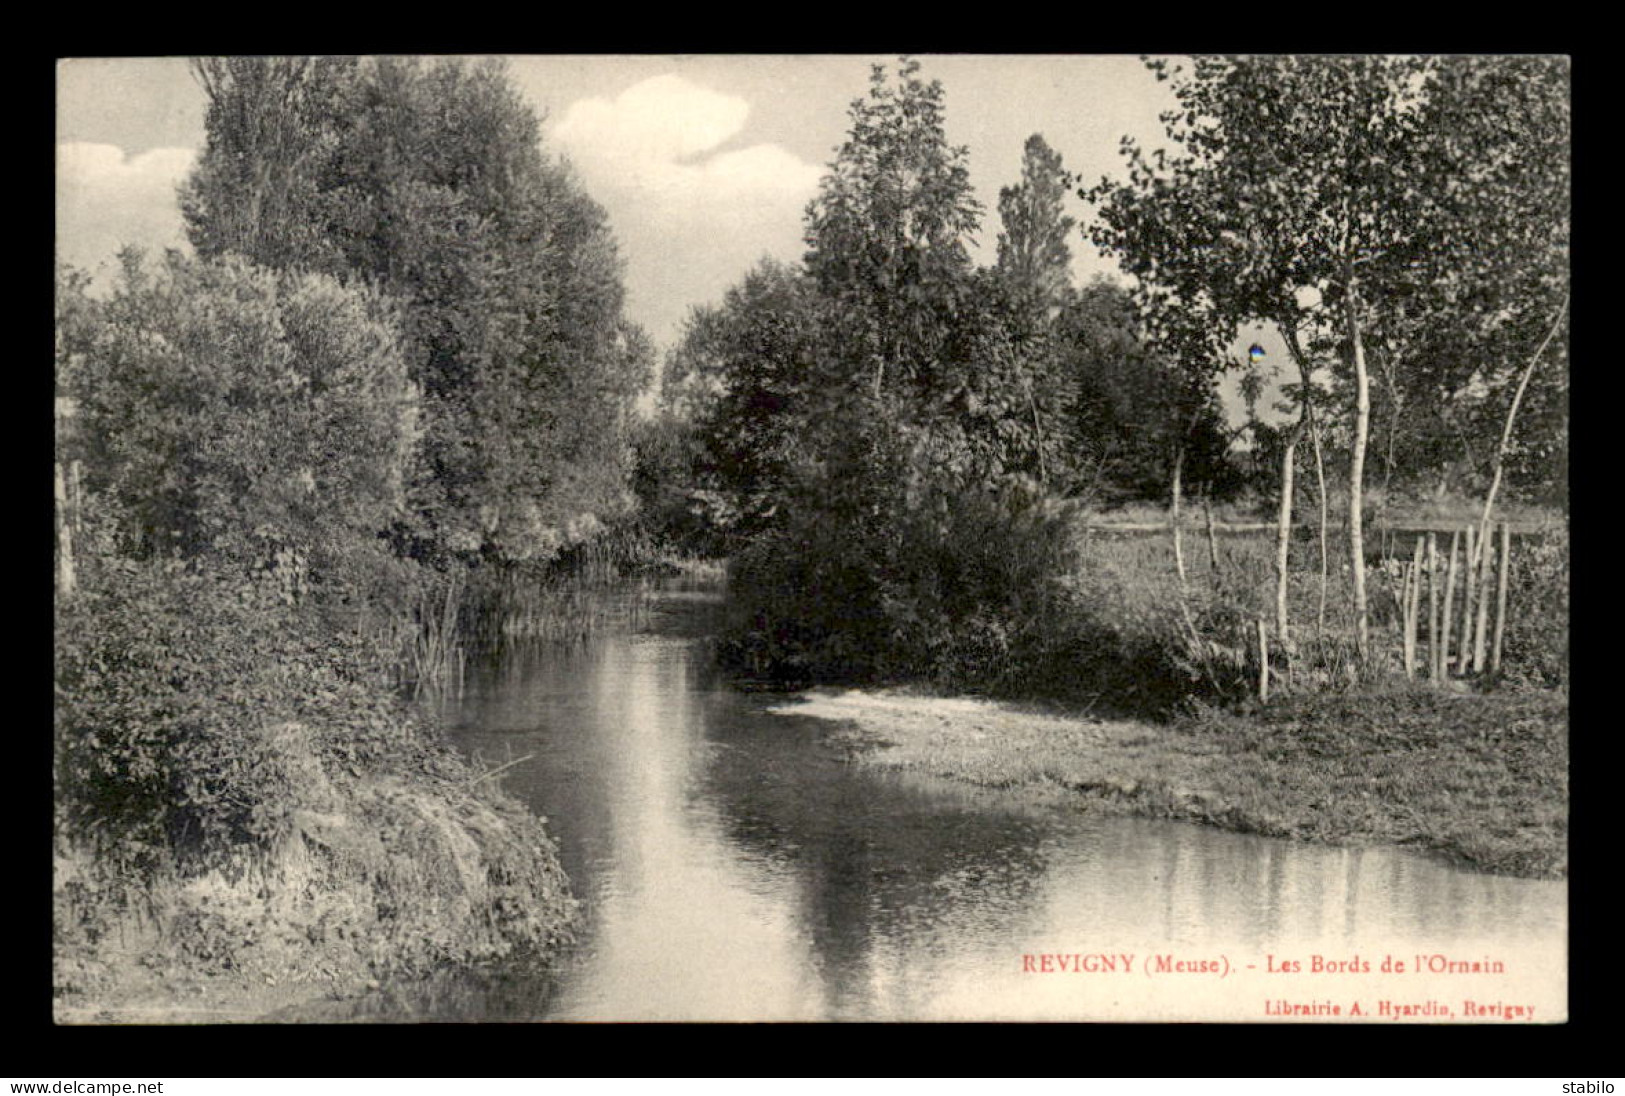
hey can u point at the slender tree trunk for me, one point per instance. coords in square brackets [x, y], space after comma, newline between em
[1320, 489]
[76, 502]
[1283, 536]
[64, 538]
[1394, 409]
[1362, 423]
[1289, 330]
[1512, 412]
[1038, 429]
[1175, 493]
[1212, 540]
[1469, 576]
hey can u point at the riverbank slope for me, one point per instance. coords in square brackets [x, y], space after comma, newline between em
[1479, 779]
[390, 871]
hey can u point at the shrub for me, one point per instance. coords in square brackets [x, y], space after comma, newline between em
[232, 783]
[1535, 647]
[173, 689]
[957, 588]
[229, 411]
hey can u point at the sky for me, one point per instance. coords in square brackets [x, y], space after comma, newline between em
[705, 164]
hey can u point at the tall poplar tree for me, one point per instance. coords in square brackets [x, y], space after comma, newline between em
[890, 229]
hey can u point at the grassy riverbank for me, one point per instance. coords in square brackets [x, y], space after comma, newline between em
[1480, 779]
[249, 817]
[404, 873]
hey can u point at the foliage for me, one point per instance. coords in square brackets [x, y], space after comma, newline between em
[1535, 651]
[1421, 202]
[1133, 407]
[666, 449]
[171, 685]
[227, 410]
[888, 233]
[1033, 251]
[230, 773]
[430, 183]
[890, 427]
[960, 588]
[747, 379]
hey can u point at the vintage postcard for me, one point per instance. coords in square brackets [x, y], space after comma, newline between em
[812, 538]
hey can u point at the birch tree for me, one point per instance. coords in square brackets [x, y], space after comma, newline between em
[1288, 176]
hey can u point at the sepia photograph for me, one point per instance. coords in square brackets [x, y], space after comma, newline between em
[811, 538]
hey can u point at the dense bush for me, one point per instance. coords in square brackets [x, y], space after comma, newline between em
[958, 587]
[230, 411]
[237, 790]
[173, 686]
[1535, 648]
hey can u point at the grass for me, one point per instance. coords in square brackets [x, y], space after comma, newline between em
[248, 817]
[1126, 584]
[521, 607]
[1481, 780]
[688, 565]
[1401, 511]
[1347, 751]
[1454, 511]
[1191, 515]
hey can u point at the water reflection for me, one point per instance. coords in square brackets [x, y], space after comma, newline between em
[734, 868]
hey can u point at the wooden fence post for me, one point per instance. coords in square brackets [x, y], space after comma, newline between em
[1501, 598]
[1405, 577]
[1486, 569]
[1263, 660]
[1449, 602]
[1413, 597]
[1435, 665]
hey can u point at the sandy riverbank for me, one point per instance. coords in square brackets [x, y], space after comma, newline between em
[1481, 780]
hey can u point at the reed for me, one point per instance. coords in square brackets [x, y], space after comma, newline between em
[435, 660]
[569, 600]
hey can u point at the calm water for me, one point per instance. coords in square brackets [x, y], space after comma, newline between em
[734, 867]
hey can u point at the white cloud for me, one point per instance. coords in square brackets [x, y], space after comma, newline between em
[106, 199]
[656, 121]
[649, 156]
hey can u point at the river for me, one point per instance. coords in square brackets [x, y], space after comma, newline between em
[733, 866]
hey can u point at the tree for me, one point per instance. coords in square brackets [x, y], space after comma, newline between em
[883, 415]
[1033, 251]
[262, 186]
[1293, 177]
[429, 182]
[232, 412]
[1034, 266]
[1485, 283]
[751, 374]
[1135, 407]
[887, 234]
